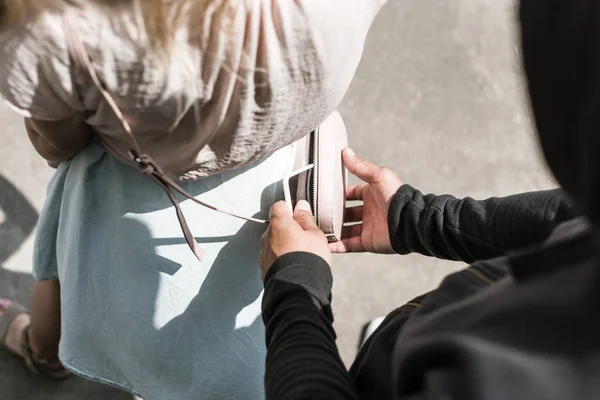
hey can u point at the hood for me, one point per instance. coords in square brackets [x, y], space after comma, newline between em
[561, 53]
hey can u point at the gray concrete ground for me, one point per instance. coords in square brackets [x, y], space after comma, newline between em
[438, 97]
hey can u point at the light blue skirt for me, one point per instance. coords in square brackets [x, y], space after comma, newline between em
[139, 312]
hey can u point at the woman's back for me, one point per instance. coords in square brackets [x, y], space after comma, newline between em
[221, 84]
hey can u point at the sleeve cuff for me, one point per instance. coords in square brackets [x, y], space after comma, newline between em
[305, 269]
[296, 273]
[402, 196]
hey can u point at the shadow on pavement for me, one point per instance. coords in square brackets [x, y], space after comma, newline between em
[16, 382]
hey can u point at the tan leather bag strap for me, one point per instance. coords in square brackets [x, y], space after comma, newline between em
[145, 163]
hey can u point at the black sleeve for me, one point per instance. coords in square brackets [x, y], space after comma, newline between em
[470, 230]
[303, 361]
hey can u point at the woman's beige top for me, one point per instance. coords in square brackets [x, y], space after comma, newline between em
[267, 80]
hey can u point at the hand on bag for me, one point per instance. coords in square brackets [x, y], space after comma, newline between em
[371, 234]
[289, 233]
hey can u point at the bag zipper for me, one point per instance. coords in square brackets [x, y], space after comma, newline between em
[312, 181]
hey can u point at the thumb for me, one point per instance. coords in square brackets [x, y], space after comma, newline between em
[363, 169]
[280, 210]
[304, 217]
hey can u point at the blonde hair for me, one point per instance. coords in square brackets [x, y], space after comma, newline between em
[158, 18]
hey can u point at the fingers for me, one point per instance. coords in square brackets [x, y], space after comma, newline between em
[304, 217]
[353, 214]
[355, 193]
[352, 231]
[351, 241]
[363, 169]
[351, 245]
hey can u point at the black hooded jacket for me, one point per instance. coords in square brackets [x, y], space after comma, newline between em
[523, 321]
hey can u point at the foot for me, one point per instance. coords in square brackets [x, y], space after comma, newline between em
[13, 339]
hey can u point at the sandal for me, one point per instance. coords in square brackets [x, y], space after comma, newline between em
[35, 365]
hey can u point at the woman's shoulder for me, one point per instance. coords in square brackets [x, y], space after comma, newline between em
[35, 75]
